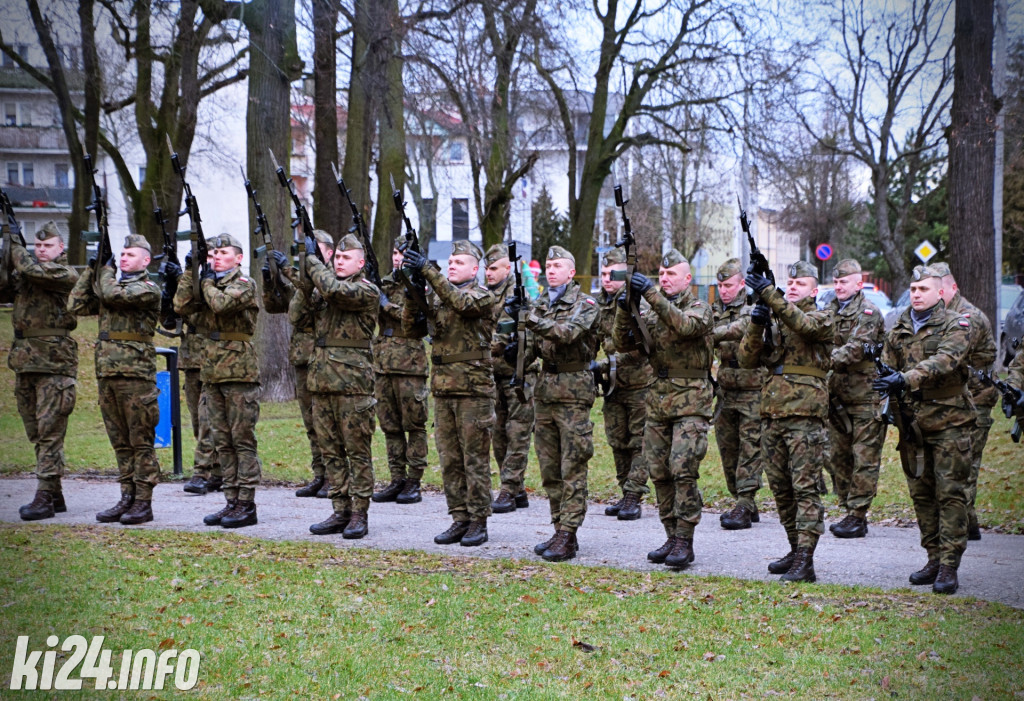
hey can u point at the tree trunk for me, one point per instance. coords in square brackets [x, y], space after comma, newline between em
[359, 132]
[972, 156]
[387, 225]
[327, 202]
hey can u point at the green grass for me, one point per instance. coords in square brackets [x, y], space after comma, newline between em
[285, 453]
[316, 621]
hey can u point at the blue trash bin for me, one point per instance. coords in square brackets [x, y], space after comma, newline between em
[163, 427]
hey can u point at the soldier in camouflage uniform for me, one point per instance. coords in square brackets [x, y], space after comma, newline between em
[230, 374]
[738, 424]
[928, 348]
[44, 358]
[400, 361]
[980, 357]
[565, 323]
[341, 381]
[855, 426]
[514, 418]
[460, 320]
[625, 410]
[678, 403]
[126, 371]
[794, 406]
[1016, 378]
[279, 298]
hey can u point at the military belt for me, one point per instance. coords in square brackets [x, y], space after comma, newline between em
[677, 373]
[939, 392]
[125, 336]
[361, 343]
[559, 368]
[390, 333]
[229, 336]
[460, 357]
[862, 366]
[40, 333]
[799, 370]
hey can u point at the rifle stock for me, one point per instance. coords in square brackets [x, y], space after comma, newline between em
[760, 266]
[98, 206]
[637, 325]
[518, 381]
[262, 229]
[372, 266]
[169, 319]
[1010, 395]
[415, 284]
[196, 235]
[8, 229]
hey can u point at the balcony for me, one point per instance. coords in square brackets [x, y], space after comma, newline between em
[33, 139]
[38, 197]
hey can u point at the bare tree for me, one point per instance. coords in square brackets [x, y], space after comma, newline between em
[327, 203]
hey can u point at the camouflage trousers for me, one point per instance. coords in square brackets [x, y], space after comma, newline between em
[512, 429]
[305, 398]
[344, 429]
[625, 413]
[978, 441]
[402, 412]
[738, 434]
[795, 449]
[564, 440]
[204, 458]
[234, 409]
[130, 413]
[463, 434]
[673, 451]
[856, 457]
[45, 402]
[940, 493]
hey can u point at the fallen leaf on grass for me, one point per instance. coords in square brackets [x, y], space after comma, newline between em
[586, 647]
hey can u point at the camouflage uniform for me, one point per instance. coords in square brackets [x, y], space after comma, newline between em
[44, 357]
[1016, 370]
[794, 405]
[341, 380]
[857, 452]
[190, 354]
[126, 370]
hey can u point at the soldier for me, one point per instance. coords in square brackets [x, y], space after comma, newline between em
[625, 411]
[341, 381]
[738, 424]
[1016, 378]
[679, 401]
[278, 298]
[126, 371]
[565, 324]
[400, 361]
[514, 418]
[928, 350]
[44, 358]
[980, 357]
[794, 404]
[856, 429]
[460, 318]
[229, 373]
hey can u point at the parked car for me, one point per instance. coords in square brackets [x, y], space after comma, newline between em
[1013, 330]
[875, 296]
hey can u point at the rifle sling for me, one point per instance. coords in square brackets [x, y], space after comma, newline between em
[125, 336]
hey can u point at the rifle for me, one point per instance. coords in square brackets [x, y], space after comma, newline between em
[301, 218]
[9, 225]
[168, 317]
[911, 442]
[372, 267]
[1011, 395]
[518, 381]
[262, 229]
[415, 284]
[761, 267]
[628, 242]
[99, 206]
[196, 236]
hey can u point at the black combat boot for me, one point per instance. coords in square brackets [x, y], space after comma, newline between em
[539, 548]
[215, 518]
[613, 509]
[973, 531]
[335, 523]
[755, 517]
[453, 534]
[504, 503]
[681, 554]
[114, 513]
[390, 492]
[782, 565]
[629, 507]
[563, 547]
[358, 526]
[59, 506]
[851, 527]
[946, 581]
[844, 523]
[658, 556]
[410, 493]
[927, 574]
[39, 508]
[325, 490]
[802, 569]
[312, 488]
[244, 514]
[737, 519]
[215, 483]
[476, 534]
[197, 485]
[522, 500]
[141, 512]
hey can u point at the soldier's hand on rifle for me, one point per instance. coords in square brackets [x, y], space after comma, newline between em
[92, 262]
[188, 259]
[892, 383]
[171, 272]
[414, 260]
[265, 270]
[110, 262]
[280, 258]
[639, 283]
[310, 247]
[384, 301]
[761, 314]
[756, 281]
[514, 305]
[510, 353]
[208, 273]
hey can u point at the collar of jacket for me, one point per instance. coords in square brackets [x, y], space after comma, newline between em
[937, 317]
[852, 307]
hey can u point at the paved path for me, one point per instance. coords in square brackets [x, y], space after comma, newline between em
[992, 569]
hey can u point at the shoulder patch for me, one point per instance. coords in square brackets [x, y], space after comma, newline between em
[588, 300]
[243, 279]
[869, 312]
[366, 281]
[965, 324]
[150, 283]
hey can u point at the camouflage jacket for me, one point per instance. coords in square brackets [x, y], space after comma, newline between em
[503, 371]
[190, 349]
[802, 337]
[565, 334]
[40, 303]
[396, 351]
[129, 306]
[286, 297]
[632, 371]
[731, 321]
[229, 306]
[934, 363]
[1016, 368]
[461, 320]
[857, 323]
[982, 353]
[682, 352]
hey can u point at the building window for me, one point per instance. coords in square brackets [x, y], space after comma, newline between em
[28, 229]
[69, 55]
[142, 175]
[12, 173]
[460, 219]
[10, 114]
[21, 50]
[28, 175]
[456, 151]
[60, 175]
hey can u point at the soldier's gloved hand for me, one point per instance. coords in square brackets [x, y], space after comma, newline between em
[110, 262]
[208, 273]
[510, 353]
[513, 305]
[92, 262]
[414, 260]
[171, 271]
[310, 246]
[384, 301]
[265, 270]
[188, 259]
[280, 258]
[756, 281]
[640, 284]
[761, 314]
[893, 383]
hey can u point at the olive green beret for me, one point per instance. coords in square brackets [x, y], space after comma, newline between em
[224, 241]
[672, 259]
[925, 271]
[463, 247]
[803, 269]
[847, 266]
[615, 255]
[942, 269]
[556, 252]
[136, 241]
[48, 231]
[350, 242]
[496, 253]
[728, 269]
[321, 236]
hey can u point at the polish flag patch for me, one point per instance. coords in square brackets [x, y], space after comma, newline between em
[590, 301]
[869, 312]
